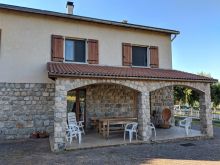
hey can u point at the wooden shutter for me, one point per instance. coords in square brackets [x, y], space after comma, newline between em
[154, 57]
[57, 48]
[126, 54]
[93, 51]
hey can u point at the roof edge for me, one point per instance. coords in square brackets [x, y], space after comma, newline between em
[55, 75]
[87, 19]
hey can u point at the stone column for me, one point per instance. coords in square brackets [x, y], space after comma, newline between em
[144, 116]
[60, 116]
[206, 112]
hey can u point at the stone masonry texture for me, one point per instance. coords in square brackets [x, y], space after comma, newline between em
[143, 88]
[160, 99]
[29, 107]
[25, 108]
[106, 100]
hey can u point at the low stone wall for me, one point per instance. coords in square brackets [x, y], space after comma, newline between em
[24, 108]
[105, 100]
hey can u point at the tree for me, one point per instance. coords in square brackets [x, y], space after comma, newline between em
[185, 95]
[215, 94]
[193, 98]
[188, 96]
[204, 74]
[178, 94]
[215, 90]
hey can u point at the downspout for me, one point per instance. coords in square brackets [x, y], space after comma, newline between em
[173, 37]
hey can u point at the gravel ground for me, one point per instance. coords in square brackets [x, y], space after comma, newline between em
[205, 152]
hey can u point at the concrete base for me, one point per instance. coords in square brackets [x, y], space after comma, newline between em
[93, 139]
[175, 133]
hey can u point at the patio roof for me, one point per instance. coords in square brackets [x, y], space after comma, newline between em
[56, 69]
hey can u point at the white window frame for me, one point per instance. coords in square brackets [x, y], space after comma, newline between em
[86, 50]
[148, 56]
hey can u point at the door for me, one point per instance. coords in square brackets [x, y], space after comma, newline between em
[76, 102]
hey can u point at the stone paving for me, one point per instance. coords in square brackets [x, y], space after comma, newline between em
[38, 152]
[93, 139]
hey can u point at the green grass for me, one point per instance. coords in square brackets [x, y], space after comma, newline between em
[217, 112]
[216, 123]
[195, 122]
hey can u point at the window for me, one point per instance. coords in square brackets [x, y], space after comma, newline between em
[75, 50]
[139, 56]
[143, 56]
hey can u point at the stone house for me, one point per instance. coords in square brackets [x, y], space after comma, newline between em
[50, 62]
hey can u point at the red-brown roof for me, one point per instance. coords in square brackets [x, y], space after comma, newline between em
[86, 70]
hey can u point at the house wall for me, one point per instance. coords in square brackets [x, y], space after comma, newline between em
[105, 100]
[26, 44]
[25, 108]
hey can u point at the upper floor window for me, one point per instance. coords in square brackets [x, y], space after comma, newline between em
[139, 56]
[75, 50]
[142, 56]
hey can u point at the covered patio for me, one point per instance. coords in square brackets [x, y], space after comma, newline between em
[92, 139]
[148, 85]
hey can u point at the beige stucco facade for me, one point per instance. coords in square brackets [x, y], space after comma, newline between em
[26, 44]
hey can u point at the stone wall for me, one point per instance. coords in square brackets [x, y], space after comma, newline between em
[144, 88]
[105, 100]
[160, 99]
[25, 108]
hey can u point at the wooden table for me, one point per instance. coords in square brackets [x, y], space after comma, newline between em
[107, 125]
[95, 123]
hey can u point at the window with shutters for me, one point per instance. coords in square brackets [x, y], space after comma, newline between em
[75, 50]
[139, 56]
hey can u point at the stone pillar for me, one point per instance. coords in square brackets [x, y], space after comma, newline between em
[144, 116]
[206, 112]
[160, 99]
[60, 116]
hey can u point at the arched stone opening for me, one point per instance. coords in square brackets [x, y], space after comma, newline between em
[101, 100]
[143, 89]
[162, 100]
[163, 97]
[105, 98]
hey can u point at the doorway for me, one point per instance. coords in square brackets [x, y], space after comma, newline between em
[76, 102]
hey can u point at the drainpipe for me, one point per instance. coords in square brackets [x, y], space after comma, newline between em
[172, 39]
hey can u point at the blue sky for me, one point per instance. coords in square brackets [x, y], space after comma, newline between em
[196, 49]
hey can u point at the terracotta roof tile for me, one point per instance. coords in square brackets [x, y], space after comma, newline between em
[86, 70]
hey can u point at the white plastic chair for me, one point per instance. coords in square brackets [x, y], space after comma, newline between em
[186, 123]
[71, 117]
[153, 129]
[73, 131]
[131, 128]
